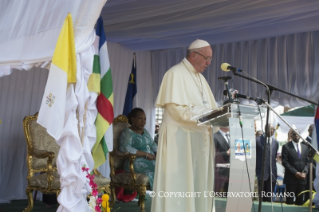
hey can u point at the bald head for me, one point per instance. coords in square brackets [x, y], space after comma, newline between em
[224, 129]
[294, 136]
[271, 130]
[310, 129]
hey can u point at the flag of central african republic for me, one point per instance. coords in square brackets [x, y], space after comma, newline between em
[62, 71]
[102, 77]
[315, 132]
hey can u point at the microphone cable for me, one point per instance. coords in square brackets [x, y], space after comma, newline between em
[282, 209]
[242, 138]
[272, 174]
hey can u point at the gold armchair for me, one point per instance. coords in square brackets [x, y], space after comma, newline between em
[102, 182]
[42, 151]
[132, 181]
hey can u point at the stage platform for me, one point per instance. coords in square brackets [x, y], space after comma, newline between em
[19, 205]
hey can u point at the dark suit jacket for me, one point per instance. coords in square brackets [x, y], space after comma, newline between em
[221, 146]
[293, 164]
[313, 161]
[260, 143]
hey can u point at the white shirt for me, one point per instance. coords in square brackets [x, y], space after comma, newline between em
[269, 139]
[295, 145]
[224, 134]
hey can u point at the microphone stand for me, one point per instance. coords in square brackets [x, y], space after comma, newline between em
[266, 132]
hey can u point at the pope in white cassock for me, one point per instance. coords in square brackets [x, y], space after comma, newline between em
[184, 171]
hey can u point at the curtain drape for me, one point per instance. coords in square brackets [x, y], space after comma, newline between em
[288, 62]
[20, 95]
[29, 30]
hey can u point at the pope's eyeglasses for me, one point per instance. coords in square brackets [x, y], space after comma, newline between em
[208, 59]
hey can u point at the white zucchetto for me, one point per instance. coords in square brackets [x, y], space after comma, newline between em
[198, 44]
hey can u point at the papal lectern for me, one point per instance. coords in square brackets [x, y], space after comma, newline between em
[241, 121]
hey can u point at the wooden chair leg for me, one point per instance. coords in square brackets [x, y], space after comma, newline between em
[113, 196]
[29, 208]
[141, 202]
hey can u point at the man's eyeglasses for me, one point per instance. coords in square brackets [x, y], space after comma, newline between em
[208, 59]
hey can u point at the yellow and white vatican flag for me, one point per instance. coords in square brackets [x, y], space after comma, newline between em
[62, 71]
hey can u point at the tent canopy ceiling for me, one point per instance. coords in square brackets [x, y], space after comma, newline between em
[29, 29]
[151, 25]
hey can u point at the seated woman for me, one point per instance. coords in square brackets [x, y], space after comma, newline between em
[136, 140]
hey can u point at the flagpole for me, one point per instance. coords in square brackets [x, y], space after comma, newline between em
[310, 183]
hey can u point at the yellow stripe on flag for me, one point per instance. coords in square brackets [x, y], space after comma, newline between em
[97, 150]
[111, 99]
[94, 83]
[98, 156]
[64, 54]
[101, 126]
[316, 158]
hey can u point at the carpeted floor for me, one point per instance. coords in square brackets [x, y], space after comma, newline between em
[19, 205]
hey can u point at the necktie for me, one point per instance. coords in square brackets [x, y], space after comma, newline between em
[298, 151]
[227, 136]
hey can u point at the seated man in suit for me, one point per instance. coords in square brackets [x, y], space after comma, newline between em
[295, 160]
[222, 151]
[270, 173]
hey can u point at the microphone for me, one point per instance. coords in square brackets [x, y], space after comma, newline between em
[232, 93]
[236, 95]
[258, 100]
[227, 67]
[225, 78]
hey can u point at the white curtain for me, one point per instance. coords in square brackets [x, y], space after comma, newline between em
[288, 62]
[21, 94]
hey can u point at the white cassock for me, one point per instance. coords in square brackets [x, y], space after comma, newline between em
[184, 170]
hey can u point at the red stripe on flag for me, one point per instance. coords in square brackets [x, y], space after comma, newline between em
[105, 108]
[317, 114]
